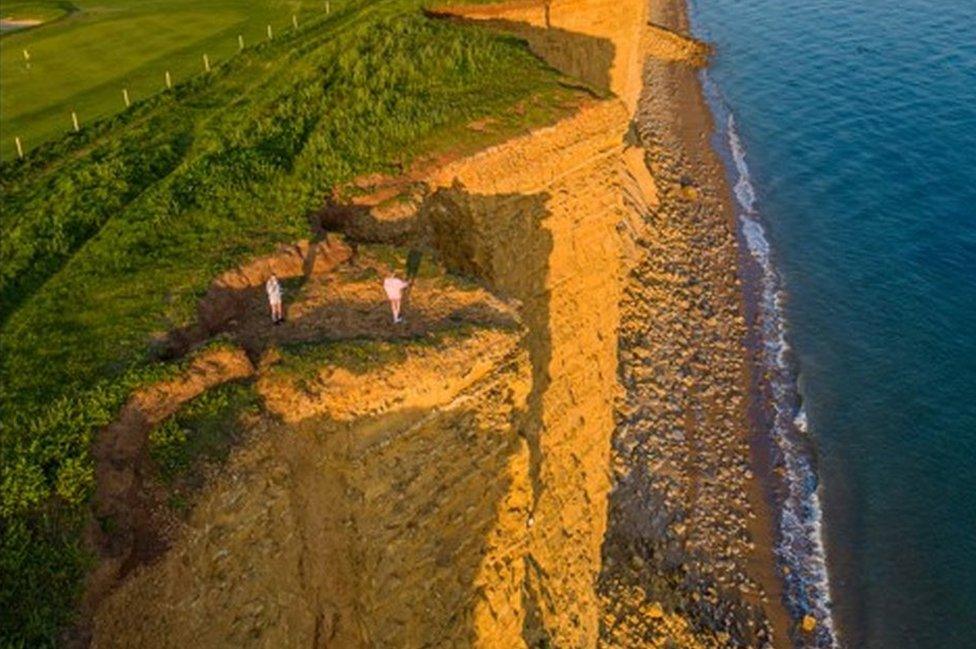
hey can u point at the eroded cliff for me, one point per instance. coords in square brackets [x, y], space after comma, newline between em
[448, 484]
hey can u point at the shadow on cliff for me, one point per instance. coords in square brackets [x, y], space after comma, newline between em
[240, 291]
[403, 520]
[501, 240]
[580, 56]
[338, 319]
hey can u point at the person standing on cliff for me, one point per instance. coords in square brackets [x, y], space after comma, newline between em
[273, 287]
[395, 288]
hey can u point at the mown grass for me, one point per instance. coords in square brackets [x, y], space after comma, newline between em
[83, 62]
[111, 236]
[39, 10]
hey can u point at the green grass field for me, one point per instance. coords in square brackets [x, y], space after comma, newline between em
[93, 49]
[35, 10]
[111, 236]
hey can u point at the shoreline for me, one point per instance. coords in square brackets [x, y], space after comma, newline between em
[676, 126]
[763, 563]
[763, 529]
[786, 456]
[784, 453]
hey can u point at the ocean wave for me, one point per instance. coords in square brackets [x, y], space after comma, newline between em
[799, 547]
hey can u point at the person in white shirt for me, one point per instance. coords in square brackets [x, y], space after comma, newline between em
[273, 287]
[395, 287]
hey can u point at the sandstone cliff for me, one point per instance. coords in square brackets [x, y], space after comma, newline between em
[447, 483]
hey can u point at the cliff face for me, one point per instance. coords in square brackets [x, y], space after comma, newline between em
[601, 42]
[458, 494]
[361, 521]
[536, 218]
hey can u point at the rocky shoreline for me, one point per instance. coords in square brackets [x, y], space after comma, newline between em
[688, 529]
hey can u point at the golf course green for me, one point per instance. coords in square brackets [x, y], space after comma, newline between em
[83, 54]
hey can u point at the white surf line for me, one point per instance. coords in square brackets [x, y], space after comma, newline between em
[800, 546]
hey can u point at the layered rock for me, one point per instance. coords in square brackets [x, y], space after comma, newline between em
[360, 522]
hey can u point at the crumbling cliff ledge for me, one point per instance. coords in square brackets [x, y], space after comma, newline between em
[380, 500]
[575, 478]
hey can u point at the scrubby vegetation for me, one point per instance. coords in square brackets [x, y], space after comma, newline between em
[47, 479]
[111, 236]
[304, 361]
[202, 432]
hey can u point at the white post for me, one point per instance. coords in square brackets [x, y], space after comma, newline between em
[206, 63]
[294, 21]
[169, 81]
[74, 120]
[20, 149]
[328, 8]
[240, 41]
[269, 33]
[125, 97]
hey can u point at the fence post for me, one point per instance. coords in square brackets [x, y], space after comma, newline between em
[240, 42]
[206, 63]
[169, 81]
[270, 36]
[328, 7]
[20, 149]
[74, 121]
[125, 97]
[294, 21]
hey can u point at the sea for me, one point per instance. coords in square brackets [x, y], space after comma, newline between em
[848, 129]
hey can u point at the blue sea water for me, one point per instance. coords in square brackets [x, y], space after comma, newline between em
[850, 132]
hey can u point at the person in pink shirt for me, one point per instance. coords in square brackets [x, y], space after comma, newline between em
[395, 288]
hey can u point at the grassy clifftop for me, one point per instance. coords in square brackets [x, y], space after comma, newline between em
[89, 50]
[111, 235]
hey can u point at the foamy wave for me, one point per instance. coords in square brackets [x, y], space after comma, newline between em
[800, 546]
[744, 191]
[800, 421]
